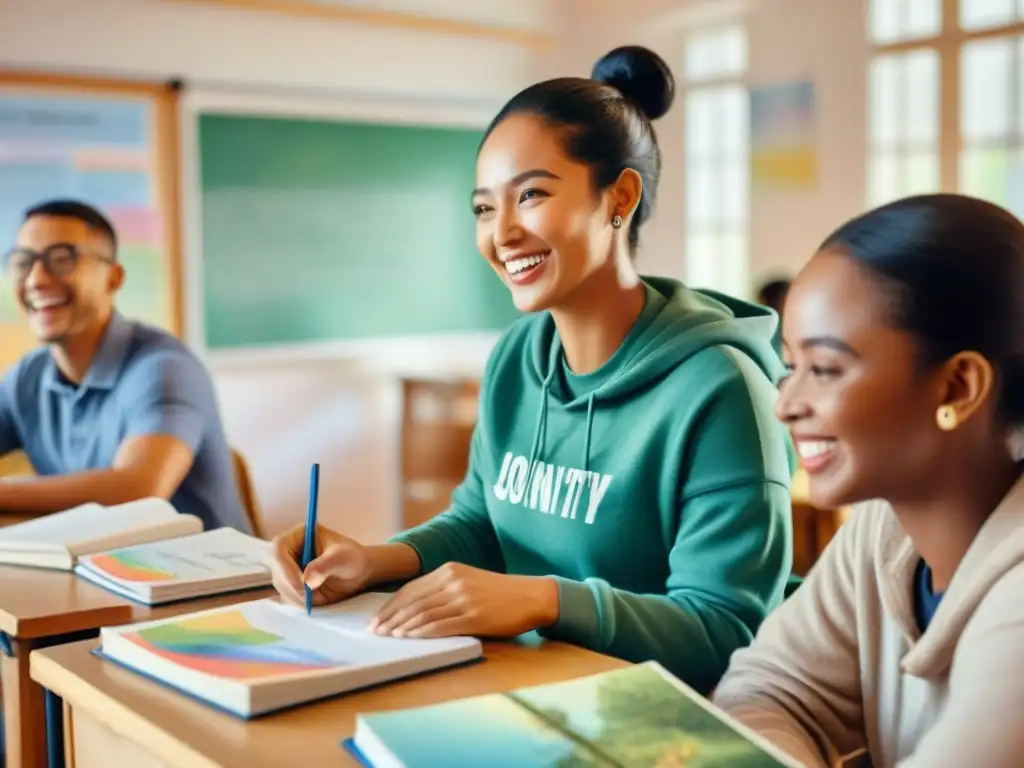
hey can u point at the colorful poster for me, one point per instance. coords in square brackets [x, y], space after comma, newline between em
[98, 150]
[783, 137]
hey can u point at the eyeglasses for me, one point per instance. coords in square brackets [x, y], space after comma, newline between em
[59, 259]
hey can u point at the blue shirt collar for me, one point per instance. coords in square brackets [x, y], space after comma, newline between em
[106, 366]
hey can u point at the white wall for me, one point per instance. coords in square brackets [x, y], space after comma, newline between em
[241, 48]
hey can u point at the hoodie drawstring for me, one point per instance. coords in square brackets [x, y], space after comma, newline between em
[542, 420]
[586, 438]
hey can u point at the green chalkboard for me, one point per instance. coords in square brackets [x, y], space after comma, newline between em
[317, 231]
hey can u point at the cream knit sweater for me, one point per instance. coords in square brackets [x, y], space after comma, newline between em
[841, 665]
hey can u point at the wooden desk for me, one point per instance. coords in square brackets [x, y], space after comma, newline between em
[40, 608]
[114, 717]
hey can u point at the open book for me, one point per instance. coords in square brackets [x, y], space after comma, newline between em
[258, 657]
[58, 540]
[635, 717]
[208, 563]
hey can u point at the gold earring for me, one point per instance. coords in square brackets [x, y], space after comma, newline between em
[616, 221]
[946, 418]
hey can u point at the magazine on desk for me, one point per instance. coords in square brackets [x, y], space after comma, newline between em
[58, 540]
[635, 717]
[203, 564]
[258, 657]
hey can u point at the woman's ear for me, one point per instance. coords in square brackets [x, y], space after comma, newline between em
[969, 380]
[625, 195]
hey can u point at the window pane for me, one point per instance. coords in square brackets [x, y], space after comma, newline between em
[718, 260]
[734, 190]
[1015, 183]
[978, 14]
[733, 55]
[893, 21]
[703, 194]
[884, 100]
[733, 278]
[1020, 80]
[921, 84]
[734, 125]
[883, 179]
[884, 20]
[921, 18]
[701, 259]
[986, 74]
[700, 124]
[985, 172]
[920, 173]
[722, 53]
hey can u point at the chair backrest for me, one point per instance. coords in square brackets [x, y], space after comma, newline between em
[15, 464]
[248, 493]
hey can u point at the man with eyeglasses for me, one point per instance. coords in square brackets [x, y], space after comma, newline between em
[107, 410]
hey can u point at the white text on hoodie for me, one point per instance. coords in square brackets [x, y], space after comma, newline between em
[548, 484]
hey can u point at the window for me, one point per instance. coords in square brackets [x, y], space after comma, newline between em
[985, 14]
[972, 61]
[717, 161]
[904, 114]
[903, 109]
[992, 117]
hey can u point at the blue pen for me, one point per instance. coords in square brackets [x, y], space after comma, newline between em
[310, 548]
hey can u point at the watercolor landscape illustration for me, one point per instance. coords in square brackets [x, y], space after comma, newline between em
[628, 718]
[226, 644]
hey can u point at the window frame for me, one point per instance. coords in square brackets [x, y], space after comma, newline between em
[949, 44]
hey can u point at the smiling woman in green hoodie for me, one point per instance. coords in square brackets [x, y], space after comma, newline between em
[628, 487]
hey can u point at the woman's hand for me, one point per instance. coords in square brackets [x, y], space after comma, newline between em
[340, 569]
[458, 599]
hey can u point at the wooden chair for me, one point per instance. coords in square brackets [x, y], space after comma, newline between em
[813, 528]
[15, 464]
[248, 493]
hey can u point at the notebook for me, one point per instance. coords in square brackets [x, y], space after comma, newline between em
[59, 539]
[262, 656]
[208, 563]
[635, 717]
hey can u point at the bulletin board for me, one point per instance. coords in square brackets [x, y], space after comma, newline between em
[111, 144]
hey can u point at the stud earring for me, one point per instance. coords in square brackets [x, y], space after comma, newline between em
[946, 418]
[616, 221]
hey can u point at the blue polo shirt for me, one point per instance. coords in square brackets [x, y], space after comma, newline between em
[142, 381]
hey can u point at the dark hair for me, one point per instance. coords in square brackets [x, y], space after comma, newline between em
[952, 268]
[607, 119]
[73, 209]
[773, 293]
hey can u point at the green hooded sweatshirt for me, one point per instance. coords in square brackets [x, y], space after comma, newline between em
[654, 490]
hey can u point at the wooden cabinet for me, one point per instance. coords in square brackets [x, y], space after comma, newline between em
[438, 417]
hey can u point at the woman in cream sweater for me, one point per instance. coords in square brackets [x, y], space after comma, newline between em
[904, 336]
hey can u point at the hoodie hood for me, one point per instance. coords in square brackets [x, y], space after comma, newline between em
[687, 322]
[996, 550]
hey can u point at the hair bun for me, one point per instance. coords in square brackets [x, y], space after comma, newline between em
[640, 75]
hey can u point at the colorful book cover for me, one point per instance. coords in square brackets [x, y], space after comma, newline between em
[227, 644]
[628, 718]
[221, 552]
